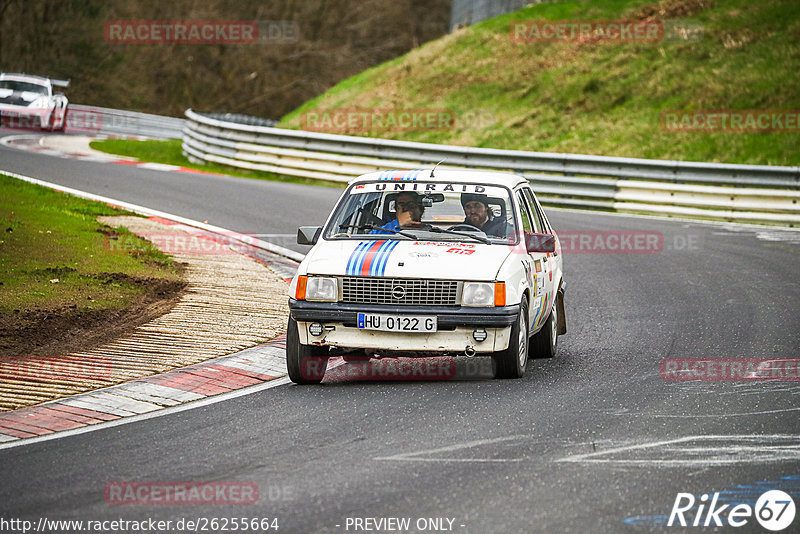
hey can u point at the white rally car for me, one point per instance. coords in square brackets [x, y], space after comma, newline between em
[477, 271]
[28, 102]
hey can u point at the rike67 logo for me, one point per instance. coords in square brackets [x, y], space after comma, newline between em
[774, 510]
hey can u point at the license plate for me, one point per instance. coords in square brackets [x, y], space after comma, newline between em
[397, 323]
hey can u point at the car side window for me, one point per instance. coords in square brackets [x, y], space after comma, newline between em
[538, 221]
[523, 211]
[547, 228]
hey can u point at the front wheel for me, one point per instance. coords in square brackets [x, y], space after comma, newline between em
[511, 363]
[306, 363]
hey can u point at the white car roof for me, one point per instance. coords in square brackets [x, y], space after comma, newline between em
[40, 80]
[444, 175]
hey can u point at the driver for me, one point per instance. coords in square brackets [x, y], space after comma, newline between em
[478, 214]
[408, 209]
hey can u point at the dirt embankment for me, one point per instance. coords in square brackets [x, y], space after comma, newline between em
[54, 332]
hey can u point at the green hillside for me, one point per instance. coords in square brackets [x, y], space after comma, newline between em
[596, 97]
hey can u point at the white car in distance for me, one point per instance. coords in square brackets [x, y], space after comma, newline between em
[30, 102]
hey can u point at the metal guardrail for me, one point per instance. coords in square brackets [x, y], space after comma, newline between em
[240, 118]
[743, 193]
[109, 121]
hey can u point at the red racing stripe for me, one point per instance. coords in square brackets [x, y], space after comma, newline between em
[369, 257]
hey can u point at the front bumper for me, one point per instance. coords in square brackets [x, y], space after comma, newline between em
[23, 117]
[454, 330]
[448, 316]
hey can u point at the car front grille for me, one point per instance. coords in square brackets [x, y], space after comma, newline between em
[399, 291]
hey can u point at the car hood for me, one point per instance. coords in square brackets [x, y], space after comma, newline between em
[407, 259]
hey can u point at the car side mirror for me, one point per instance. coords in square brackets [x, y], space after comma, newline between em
[536, 242]
[308, 235]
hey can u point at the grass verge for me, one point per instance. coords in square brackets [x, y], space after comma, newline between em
[169, 152]
[603, 98]
[58, 266]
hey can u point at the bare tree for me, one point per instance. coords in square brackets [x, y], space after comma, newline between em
[336, 39]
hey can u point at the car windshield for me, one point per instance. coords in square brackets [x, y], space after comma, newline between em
[23, 87]
[448, 211]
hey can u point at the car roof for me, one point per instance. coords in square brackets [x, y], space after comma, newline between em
[42, 80]
[444, 175]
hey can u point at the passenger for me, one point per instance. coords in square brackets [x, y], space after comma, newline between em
[478, 214]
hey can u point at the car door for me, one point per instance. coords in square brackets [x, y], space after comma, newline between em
[555, 259]
[543, 264]
[530, 261]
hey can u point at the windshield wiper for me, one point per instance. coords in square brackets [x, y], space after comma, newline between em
[373, 227]
[437, 230]
[427, 228]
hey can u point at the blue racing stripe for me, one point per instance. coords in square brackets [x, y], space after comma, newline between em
[384, 259]
[351, 259]
[357, 258]
[362, 255]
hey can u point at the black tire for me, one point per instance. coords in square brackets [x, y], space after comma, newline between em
[305, 363]
[544, 343]
[511, 363]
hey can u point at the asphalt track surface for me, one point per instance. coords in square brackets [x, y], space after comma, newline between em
[594, 440]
